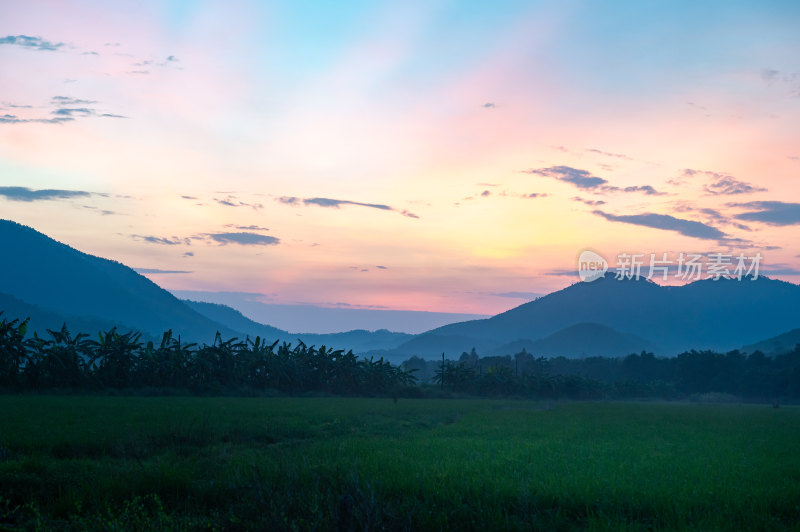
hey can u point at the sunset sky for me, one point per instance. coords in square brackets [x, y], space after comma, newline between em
[443, 156]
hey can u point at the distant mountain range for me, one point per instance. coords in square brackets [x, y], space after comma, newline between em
[317, 319]
[359, 341]
[53, 283]
[707, 314]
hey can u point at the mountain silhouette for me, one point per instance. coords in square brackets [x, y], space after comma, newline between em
[580, 340]
[706, 314]
[777, 345]
[360, 341]
[63, 281]
[43, 319]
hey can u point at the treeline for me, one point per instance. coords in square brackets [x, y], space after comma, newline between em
[123, 362]
[753, 377]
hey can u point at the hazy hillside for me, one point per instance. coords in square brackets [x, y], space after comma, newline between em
[235, 320]
[62, 280]
[42, 319]
[359, 341]
[782, 343]
[583, 339]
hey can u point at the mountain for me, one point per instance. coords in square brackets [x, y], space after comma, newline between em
[235, 320]
[360, 341]
[580, 340]
[307, 318]
[42, 319]
[63, 281]
[707, 314]
[777, 345]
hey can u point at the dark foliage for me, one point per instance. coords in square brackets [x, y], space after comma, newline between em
[123, 361]
[752, 377]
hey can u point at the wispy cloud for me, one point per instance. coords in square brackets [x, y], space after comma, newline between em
[337, 203]
[14, 119]
[248, 227]
[769, 212]
[609, 154]
[718, 184]
[790, 80]
[32, 43]
[157, 270]
[518, 295]
[62, 109]
[585, 180]
[647, 189]
[167, 241]
[230, 201]
[27, 194]
[580, 178]
[68, 100]
[244, 239]
[668, 223]
[591, 203]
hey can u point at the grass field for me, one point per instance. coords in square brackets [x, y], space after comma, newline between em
[170, 463]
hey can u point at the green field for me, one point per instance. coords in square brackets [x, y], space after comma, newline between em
[135, 463]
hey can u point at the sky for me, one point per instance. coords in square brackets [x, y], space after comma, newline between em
[446, 156]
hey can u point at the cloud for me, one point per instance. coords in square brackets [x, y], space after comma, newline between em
[780, 269]
[230, 201]
[489, 105]
[579, 178]
[591, 203]
[188, 254]
[337, 203]
[728, 186]
[167, 241]
[244, 239]
[382, 267]
[334, 203]
[63, 109]
[485, 194]
[82, 111]
[534, 195]
[27, 194]
[791, 80]
[32, 43]
[248, 227]
[519, 295]
[14, 119]
[68, 100]
[156, 270]
[667, 223]
[769, 212]
[719, 184]
[647, 189]
[608, 154]
[586, 181]
[188, 197]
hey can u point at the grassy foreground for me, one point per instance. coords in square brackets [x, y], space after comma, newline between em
[166, 463]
